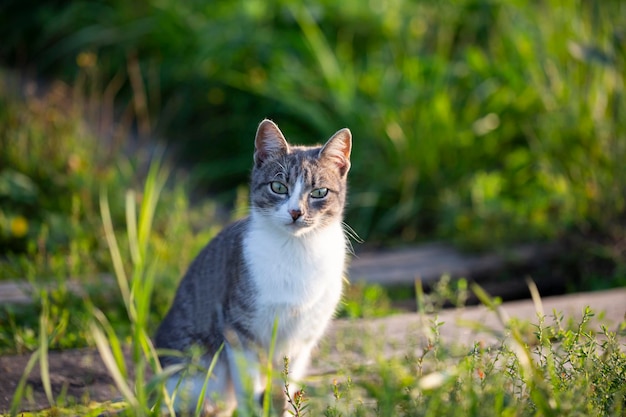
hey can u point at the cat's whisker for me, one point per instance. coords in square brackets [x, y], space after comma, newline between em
[350, 232]
[352, 235]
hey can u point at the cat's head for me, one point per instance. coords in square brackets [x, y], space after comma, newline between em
[299, 189]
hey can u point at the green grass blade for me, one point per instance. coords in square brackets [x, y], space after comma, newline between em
[43, 349]
[19, 391]
[116, 256]
[131, 228]
[142, 288]
[536, 297]
[200, 402]
[491, 303]
[155, 182]
[149, 350]
[114, 341]
[109, 361]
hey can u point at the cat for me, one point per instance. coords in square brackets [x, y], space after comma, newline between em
[272, 277]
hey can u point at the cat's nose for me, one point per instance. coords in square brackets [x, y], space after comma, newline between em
[295, 214]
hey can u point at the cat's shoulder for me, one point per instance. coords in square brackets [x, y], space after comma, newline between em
[226, 244]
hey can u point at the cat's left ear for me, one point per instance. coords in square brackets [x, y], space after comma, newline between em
[337, 149]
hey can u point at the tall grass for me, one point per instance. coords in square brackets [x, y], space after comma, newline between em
[136, 289]
[136, 280]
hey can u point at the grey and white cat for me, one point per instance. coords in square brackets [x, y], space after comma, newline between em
[283, 264]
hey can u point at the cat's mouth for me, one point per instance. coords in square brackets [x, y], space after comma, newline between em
[297, 225]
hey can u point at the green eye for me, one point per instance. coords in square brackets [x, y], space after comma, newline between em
[319, 192]
[278, 187]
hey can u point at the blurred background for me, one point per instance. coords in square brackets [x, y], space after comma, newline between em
[481, 123]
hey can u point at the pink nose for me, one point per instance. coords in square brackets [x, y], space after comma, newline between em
[295, 214]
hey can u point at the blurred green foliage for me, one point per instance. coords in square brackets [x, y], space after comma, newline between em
[481, 121]
[53, 169]
[48, 173]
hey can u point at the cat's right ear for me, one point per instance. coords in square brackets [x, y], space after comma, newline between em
[269, 142]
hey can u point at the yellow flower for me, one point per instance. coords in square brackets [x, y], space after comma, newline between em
[86, 59]
[19, 226]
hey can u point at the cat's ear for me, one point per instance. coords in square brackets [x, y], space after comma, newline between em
[337, 150]
[269, 141]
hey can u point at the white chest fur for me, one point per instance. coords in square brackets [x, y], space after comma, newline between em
[298, 280]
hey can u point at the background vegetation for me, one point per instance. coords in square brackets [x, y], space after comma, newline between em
[481, 122]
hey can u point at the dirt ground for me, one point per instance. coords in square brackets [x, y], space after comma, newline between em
[80, 374]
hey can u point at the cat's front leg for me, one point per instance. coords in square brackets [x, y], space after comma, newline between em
[185, 389]
[245, 373]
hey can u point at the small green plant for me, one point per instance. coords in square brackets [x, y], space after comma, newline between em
[558, 370]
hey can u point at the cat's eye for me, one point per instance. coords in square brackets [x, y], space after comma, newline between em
[278, 187]
[319, 193]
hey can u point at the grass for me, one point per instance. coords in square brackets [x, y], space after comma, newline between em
[555, 369]
[550, 367]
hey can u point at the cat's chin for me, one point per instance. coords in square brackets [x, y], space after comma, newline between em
[297, 229]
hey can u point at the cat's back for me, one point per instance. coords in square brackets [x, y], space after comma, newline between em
[214, 279]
